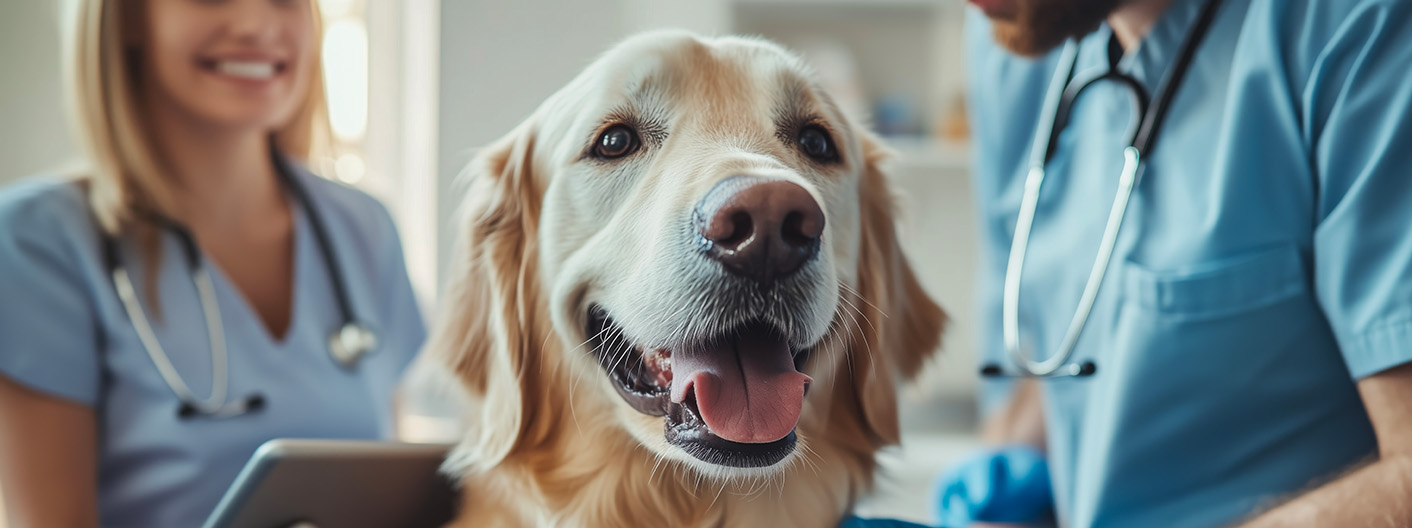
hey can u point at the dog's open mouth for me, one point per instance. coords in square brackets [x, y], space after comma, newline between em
[733, 400]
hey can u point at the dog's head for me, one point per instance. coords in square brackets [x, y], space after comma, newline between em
[692, 239]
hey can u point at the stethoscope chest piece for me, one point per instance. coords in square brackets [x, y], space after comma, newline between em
[350, 343]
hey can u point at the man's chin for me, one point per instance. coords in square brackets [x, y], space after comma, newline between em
[1035, 27]
[1026, 40]
[996, 9]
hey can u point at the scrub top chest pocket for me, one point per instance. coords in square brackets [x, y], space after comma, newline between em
[1225, 287]
[1224, 324]
[1245, 328]
[1230, 361]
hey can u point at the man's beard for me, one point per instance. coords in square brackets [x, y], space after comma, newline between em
[1039, 26]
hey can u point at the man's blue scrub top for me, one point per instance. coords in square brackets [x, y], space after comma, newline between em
[1265, 266]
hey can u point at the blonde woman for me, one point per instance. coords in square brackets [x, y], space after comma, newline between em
[197, 292]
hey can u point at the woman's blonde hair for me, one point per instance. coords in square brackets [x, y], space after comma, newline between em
[103, 81]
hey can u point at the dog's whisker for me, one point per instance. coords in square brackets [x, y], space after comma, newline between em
[758, 487]
[867, 343]
[576, 376]
[856, 309]
[608, 345]
[625, 347]
[856, 328]
[586, 341]
[594, 350]
[573, 409]
[868, 346]
[833, 335]
[807, 457]
[680, 327]
[780, 486]
[655, 465]
[718, 493]
[859, 311]
[860, 297]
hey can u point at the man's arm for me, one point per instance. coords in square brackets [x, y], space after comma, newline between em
[1379, 494]
[1356, 100]
[1020, 421]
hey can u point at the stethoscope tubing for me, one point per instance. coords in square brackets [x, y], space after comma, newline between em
[216, 405]
[1142, 141]
[215, 333]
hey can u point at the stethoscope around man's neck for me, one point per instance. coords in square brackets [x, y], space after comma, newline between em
[349, 343]
[1140, 145]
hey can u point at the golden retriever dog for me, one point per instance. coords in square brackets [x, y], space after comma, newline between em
[679, 300]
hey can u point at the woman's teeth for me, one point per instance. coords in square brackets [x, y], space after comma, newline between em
[246, 70]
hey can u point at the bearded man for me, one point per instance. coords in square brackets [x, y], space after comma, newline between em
[1242, 171]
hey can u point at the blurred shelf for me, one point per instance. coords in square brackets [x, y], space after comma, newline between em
[929, 153]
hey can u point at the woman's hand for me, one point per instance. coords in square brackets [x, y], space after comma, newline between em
[48, 460]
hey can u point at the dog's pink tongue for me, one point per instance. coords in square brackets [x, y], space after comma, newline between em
[747, 391]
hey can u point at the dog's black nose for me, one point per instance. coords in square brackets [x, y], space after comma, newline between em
[759, 228]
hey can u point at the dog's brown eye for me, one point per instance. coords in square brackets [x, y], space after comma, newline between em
[815, 142]
[616, 142]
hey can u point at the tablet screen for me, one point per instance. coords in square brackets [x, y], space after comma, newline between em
[339, 483]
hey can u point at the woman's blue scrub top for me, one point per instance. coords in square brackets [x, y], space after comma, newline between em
[63, 332]
[1265, 266]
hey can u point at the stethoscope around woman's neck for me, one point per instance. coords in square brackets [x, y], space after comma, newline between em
[1141, 143]
[349, 343]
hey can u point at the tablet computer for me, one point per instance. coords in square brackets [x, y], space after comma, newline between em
[339, 483]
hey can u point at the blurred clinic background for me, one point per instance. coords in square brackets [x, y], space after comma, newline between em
[415, 86]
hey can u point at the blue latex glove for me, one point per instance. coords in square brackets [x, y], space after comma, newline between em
[1009, 485]
[857, 522]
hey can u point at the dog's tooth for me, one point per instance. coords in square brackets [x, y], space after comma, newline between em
[659, 363]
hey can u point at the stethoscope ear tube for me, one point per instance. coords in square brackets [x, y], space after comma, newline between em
[1059, 362]
[215, 333]
[352, 340]
[347, 345]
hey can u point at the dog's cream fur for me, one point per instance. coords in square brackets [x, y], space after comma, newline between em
[546, 231]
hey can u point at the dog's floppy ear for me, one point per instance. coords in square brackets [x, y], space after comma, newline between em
[903, 325]
[485, 332]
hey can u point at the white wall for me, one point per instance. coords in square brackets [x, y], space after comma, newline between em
[34, 135]
[33, 131]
